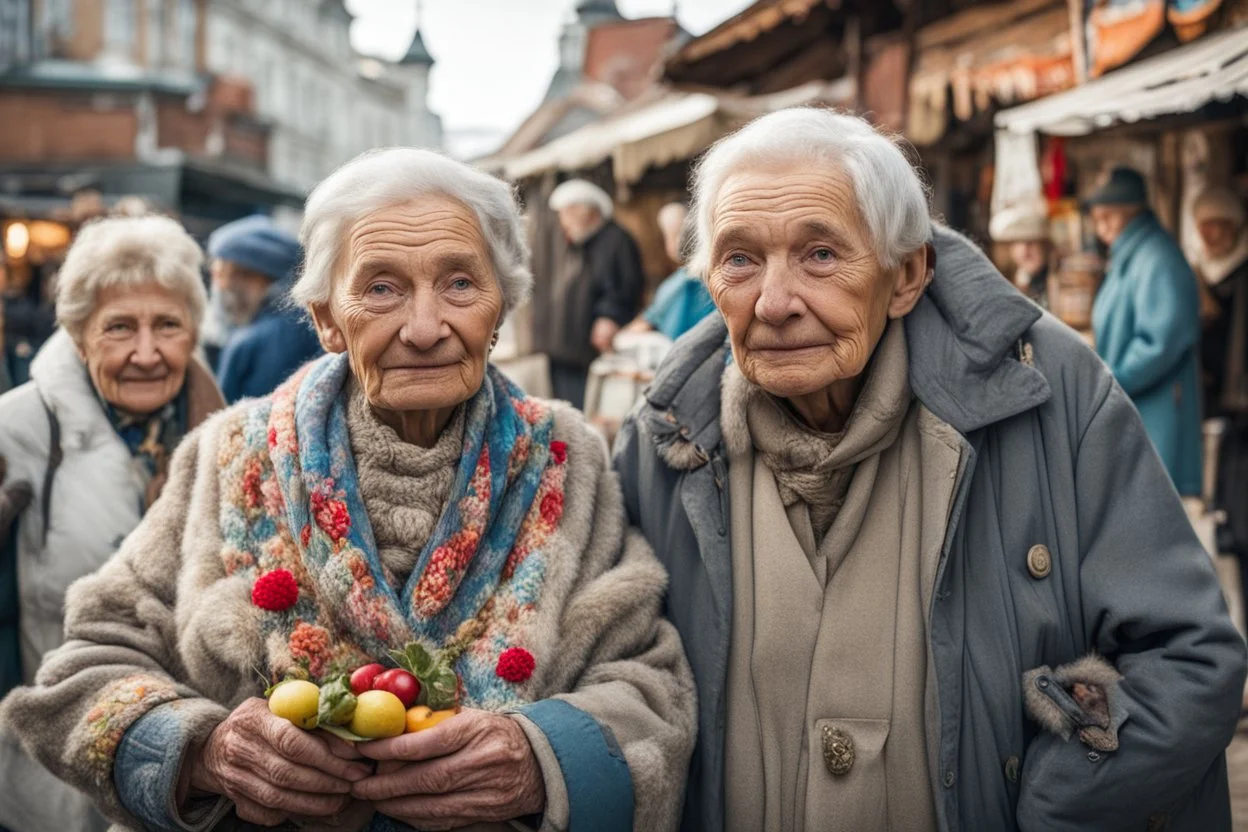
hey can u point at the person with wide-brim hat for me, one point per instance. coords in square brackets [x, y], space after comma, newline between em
[1146, 321]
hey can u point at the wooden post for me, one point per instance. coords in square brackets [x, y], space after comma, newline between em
[1078, 41]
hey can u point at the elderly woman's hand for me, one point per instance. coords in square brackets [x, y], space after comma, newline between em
[273, 770]
[475, 768]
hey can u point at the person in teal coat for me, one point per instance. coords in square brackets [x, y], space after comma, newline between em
[1146, 320]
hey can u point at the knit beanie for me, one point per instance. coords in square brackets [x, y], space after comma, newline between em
[257, 244]
[1218, 203]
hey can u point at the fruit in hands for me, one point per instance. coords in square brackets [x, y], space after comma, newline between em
[421, 718]
[296, 701]
[401, 683]
[378, 714]
[337, 702]
[362, 678]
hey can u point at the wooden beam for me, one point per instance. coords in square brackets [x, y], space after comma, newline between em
[1078, 41]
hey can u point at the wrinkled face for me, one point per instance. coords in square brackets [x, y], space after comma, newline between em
[1219, 236]
[414, 305]
[1109, 220]
[136, 345]
[794, 272]
[1030, 255]
[242, 291]
[579, 221]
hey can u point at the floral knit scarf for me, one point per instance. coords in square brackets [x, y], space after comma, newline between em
[290, 500]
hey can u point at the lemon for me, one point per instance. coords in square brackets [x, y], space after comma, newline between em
[296, 701]
[378, 713]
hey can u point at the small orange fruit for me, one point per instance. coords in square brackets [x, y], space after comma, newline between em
[420, 718]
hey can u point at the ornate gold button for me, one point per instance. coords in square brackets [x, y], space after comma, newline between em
[838, 750]
[1039, 562]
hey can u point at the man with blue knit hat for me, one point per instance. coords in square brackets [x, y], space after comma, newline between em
[252, 263]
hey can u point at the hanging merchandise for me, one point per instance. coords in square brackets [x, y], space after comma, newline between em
[1119, 29]
[1190, 18]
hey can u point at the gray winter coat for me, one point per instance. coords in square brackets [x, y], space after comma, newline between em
[1055, 455]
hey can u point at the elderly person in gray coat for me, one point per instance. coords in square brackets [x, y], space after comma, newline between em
[397, 494]
[929, 571]
[91, 435]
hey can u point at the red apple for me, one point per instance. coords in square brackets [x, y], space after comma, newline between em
[362, 677]
[401, 683]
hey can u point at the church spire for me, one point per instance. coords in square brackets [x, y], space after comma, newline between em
[417, 53]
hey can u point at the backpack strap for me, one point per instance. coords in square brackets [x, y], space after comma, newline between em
[55, 457]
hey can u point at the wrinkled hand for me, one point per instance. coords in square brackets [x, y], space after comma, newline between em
[14, 498]
[475, 768]
[603, 334]
[273, 770]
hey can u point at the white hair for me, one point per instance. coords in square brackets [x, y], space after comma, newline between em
[128, 252]
[582, 192]
[391, 176]
[674, 214]
[892, 199]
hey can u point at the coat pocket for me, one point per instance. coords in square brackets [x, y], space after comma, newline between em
[847, 785]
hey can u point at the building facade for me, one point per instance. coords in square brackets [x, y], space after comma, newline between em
[325, 102]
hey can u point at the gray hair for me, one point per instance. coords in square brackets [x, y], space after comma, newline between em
[892, 199]
[582, 192]
[128, 251]
[391, 176]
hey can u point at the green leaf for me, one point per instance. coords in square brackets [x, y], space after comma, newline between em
[344, 733]
[413, 658]
[441, 688]
[337, 702]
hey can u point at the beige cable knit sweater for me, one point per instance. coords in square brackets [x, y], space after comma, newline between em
[404, 486]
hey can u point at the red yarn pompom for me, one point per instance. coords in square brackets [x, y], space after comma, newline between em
[516, 665]
[559, 450]
[275, 591]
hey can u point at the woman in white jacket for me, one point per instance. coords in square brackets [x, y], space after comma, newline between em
[111, 395]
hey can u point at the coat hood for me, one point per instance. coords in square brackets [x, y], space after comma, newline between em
[964, 351]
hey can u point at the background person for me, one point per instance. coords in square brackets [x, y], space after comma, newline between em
[111, 396]
[681, 301]
[597, 289]
[1146, 319]
[1025, 228]
[253, 262]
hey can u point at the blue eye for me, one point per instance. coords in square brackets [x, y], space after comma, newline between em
[379, 289]
[823, 255]
[739, 260]
[462, 284]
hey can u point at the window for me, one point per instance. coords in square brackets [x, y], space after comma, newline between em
[14, 32]
[155, 34]
[120, 22]
[56, 25]
[188, 27]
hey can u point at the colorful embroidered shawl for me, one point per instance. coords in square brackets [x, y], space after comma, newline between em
[290, 500]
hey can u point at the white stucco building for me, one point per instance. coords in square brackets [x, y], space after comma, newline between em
[327, 103]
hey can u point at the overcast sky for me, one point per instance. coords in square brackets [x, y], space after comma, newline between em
[495, 57]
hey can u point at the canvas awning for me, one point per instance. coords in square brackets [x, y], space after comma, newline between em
[1184, 79]
[674, 127]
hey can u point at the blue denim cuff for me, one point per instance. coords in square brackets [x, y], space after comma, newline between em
[146, 771]
[600, 787]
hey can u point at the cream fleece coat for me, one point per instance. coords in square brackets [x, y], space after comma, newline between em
[163, 608]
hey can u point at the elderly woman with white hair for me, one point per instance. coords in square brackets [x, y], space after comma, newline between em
[595, 290]
[395, 501]
[928, 569]
[111, 396]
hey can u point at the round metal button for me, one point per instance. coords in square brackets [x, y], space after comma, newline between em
[1011, 769]
[1039, 562]
[838, 750]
